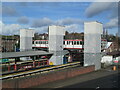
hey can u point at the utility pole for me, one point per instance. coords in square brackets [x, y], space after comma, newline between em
[5, 43]
[117, 41]
[82, 53]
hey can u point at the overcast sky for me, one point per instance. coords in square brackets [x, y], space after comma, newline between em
[39, 15]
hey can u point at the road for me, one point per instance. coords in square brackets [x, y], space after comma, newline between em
[110, 81]
[104, 78]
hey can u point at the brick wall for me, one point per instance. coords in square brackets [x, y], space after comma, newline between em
[38, 79]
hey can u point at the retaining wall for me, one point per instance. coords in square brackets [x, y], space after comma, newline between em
[38, 79]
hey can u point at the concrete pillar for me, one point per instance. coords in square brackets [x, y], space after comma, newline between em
[92, 44]
[56, 34]
[26, 39]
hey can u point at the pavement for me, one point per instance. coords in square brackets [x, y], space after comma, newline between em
[110, 81]
[87, 80]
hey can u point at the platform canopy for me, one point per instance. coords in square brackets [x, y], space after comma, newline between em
[23, 54]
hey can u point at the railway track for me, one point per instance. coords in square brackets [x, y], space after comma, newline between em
[38, 71]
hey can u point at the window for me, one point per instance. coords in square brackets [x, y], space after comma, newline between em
[39, 42]
[80, 42]
[74, 42]
[33, 42]
[67, 42]
[77, 42]
[64, 42]
[46, 42]
[43, 42]
[36, 42]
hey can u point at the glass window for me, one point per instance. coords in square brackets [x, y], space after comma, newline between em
[40, 42]
[33, 42]
[77, 42]
[36, 42]
[64, 42]
[74, 42]
[67, 42]
[80, 42]
[83, 43]
[46, 42]
[43, 42]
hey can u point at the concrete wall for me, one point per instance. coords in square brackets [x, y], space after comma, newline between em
[39, 79]
[92, 44]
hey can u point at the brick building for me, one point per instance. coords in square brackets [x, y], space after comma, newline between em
[8, 44]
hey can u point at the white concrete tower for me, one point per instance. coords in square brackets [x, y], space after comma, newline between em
[92, 44]
[26, 39]
[56, 34]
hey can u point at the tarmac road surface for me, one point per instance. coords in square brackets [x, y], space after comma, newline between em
[110, 81]
[104, 78]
